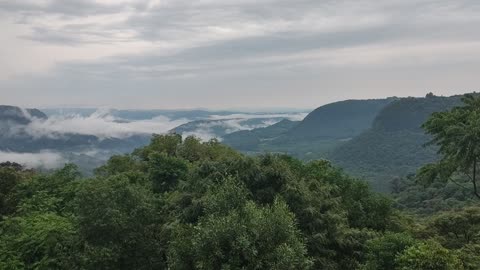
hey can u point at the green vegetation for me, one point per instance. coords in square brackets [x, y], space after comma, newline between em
[429, 198]
[318, 134]
[184, 204]
[339, 120]
[457, 132]
[395, 145]
[259, 138]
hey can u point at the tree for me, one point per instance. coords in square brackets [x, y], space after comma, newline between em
[250, 237]
[381, 251]
[36, 241]
[429, 255]
[165, 171]
[167, 144]
[9, 179]
[120, 224]
[457, 228]
[457, 133]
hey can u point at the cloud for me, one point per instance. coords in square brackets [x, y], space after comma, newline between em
[100, 124]
[214, 52]
[219, 125]
[103, 124]
[242, 116]
[44, 160]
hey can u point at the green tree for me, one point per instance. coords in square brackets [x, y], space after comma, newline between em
[458, 228]
[167, 144]
[117, 164]
[9, 179]
[120, 224]
[382, 251]
[165, 171]
[251, 237]
[428, 255]
[36, 241]
[457, 133]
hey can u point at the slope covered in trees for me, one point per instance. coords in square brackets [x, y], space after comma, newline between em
[184, 204]
[395, 144]
[317, 134]
[259, 138]
[339, 120]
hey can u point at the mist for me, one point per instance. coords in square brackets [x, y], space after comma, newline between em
[43, 160]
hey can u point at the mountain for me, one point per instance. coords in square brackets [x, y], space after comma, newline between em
[16, 136]
[88, 151]
[251, 140]
[394, 145]
[17, 115]
[317, 134]
[218, 128]
[339, 120]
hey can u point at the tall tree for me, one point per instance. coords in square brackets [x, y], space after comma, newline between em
[457, 133]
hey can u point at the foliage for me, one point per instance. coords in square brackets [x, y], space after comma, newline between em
[430, 198]
[250, 237]
[428, 256]
[185, 204]
[382, 251]
[457, 133]
[456, 229]
[394, 146]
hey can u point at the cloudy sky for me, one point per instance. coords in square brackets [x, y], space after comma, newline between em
[233, 53]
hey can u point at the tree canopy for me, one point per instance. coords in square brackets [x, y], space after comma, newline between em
[185, 204]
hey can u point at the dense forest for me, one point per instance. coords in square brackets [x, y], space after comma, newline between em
[394, 146]
[180, 203]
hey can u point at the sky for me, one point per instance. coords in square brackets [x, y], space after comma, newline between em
[222, 54]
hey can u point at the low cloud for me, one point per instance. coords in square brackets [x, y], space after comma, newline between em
[100, 124]
[43, 160]
[289, 116]
[226, 124]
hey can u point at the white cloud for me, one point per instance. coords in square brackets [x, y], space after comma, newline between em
[101, 124]
[290, 116]
[44, 160]
[154, 51]
[236, 122]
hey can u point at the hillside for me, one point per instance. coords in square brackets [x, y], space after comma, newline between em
[251, 140]
[316, 135]
[18, 115]
[19, 136]
[217, 128]
[394, 145]
[339, 120]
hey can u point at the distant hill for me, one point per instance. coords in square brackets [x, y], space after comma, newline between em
[251, 140]
[394, 145]
[218, 128]
[18, 115]
[87, 151]
[316, 135]
[339, 120]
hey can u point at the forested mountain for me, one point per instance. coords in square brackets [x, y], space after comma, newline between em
[394, 145]
[253, 140]
[317, 134]
[218, 128]
[17, 115]
[338, 120]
